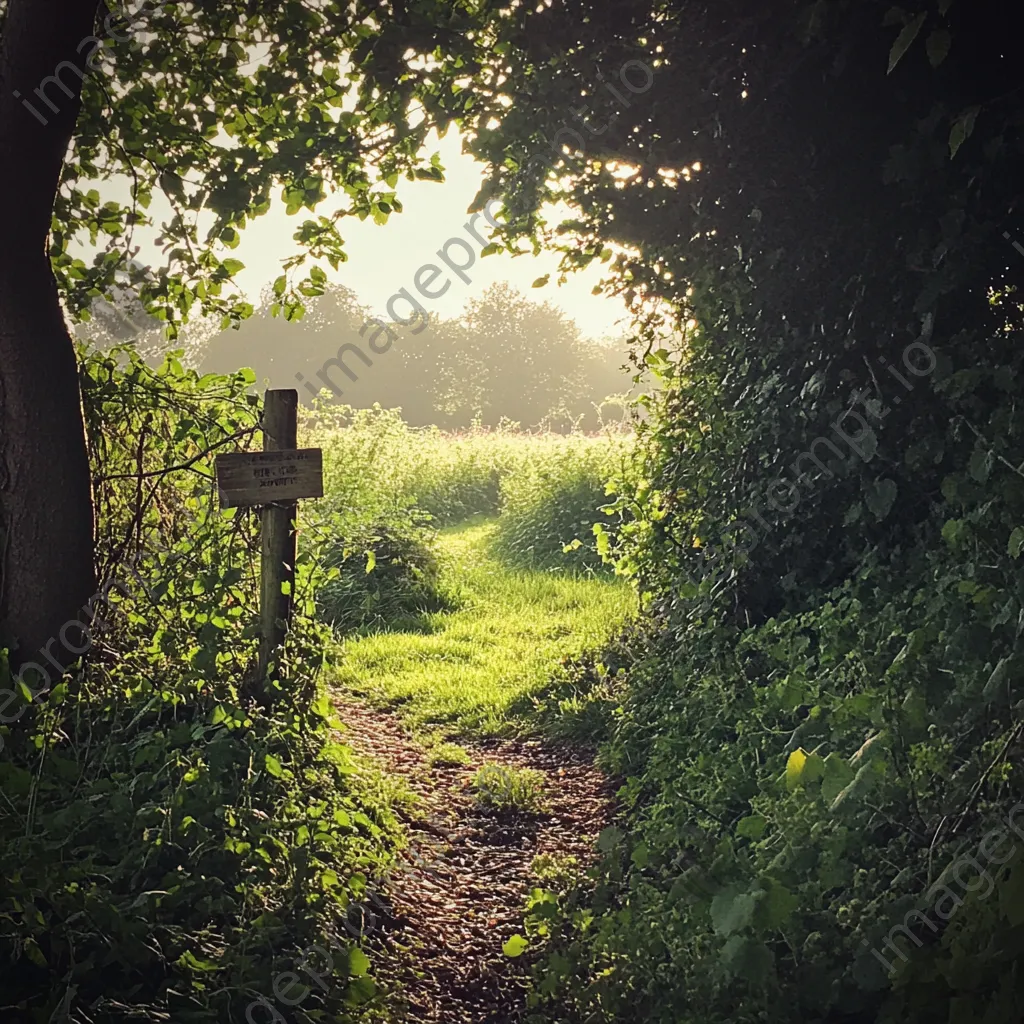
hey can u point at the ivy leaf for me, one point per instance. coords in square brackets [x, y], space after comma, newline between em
[905, 40]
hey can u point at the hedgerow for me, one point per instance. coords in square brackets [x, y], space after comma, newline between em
[823, 719]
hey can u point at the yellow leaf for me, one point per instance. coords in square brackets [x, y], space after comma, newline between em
[795, 767]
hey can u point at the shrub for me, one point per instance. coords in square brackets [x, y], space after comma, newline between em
[380, 576]
[171, 844]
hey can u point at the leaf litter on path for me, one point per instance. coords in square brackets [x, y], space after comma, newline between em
[461, 893]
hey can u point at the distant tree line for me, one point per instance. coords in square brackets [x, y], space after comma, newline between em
[506, 357]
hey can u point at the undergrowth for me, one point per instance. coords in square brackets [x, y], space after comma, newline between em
[176, 837]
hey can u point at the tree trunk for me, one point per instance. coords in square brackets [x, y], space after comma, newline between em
[46, 535]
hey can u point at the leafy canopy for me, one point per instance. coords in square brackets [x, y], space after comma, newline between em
[219, 108]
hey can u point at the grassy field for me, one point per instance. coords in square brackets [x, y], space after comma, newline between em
[468, 670]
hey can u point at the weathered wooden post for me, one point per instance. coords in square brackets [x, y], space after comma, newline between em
[277, 531]
[274, 479]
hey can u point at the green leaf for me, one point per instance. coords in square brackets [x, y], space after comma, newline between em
[872, 747]
[358, 962]
[905, 40]
[861, 785]
[837, 775]
[273, 766]
[541, 281]
[172, 184]
[775, 906]
[879, 497]
[803, 768]
[515, 946]
[998, 681]
[980, 465]
[35, 953]
[1016, 542]
[232, 267]
[752, 826]
[640, 856]
[732, 909]
[748, 959]
[609, 838]
[963, 128]
[371, 561]
[937, 46]
[953, 531]
[190, 960]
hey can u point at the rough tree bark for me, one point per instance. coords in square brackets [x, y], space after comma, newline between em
[46, 571]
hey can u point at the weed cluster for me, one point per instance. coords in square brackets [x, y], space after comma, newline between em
[509, 789]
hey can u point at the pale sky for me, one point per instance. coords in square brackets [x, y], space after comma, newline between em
[385, 258]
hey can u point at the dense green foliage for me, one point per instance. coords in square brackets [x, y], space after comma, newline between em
[548, 506]
[212, 112]
[172, 845]
[824, 715]
[387, 577]
[822, 718]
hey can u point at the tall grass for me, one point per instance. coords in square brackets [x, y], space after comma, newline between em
[547, 489]
[550, 504]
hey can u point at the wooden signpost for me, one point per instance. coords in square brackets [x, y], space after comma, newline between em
[275, 479]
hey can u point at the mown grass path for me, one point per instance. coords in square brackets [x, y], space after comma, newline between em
[461, 889]
[473, 669]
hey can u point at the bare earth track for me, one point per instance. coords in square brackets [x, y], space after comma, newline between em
[467, 876]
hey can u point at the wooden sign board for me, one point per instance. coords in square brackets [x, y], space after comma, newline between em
[259, 478]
